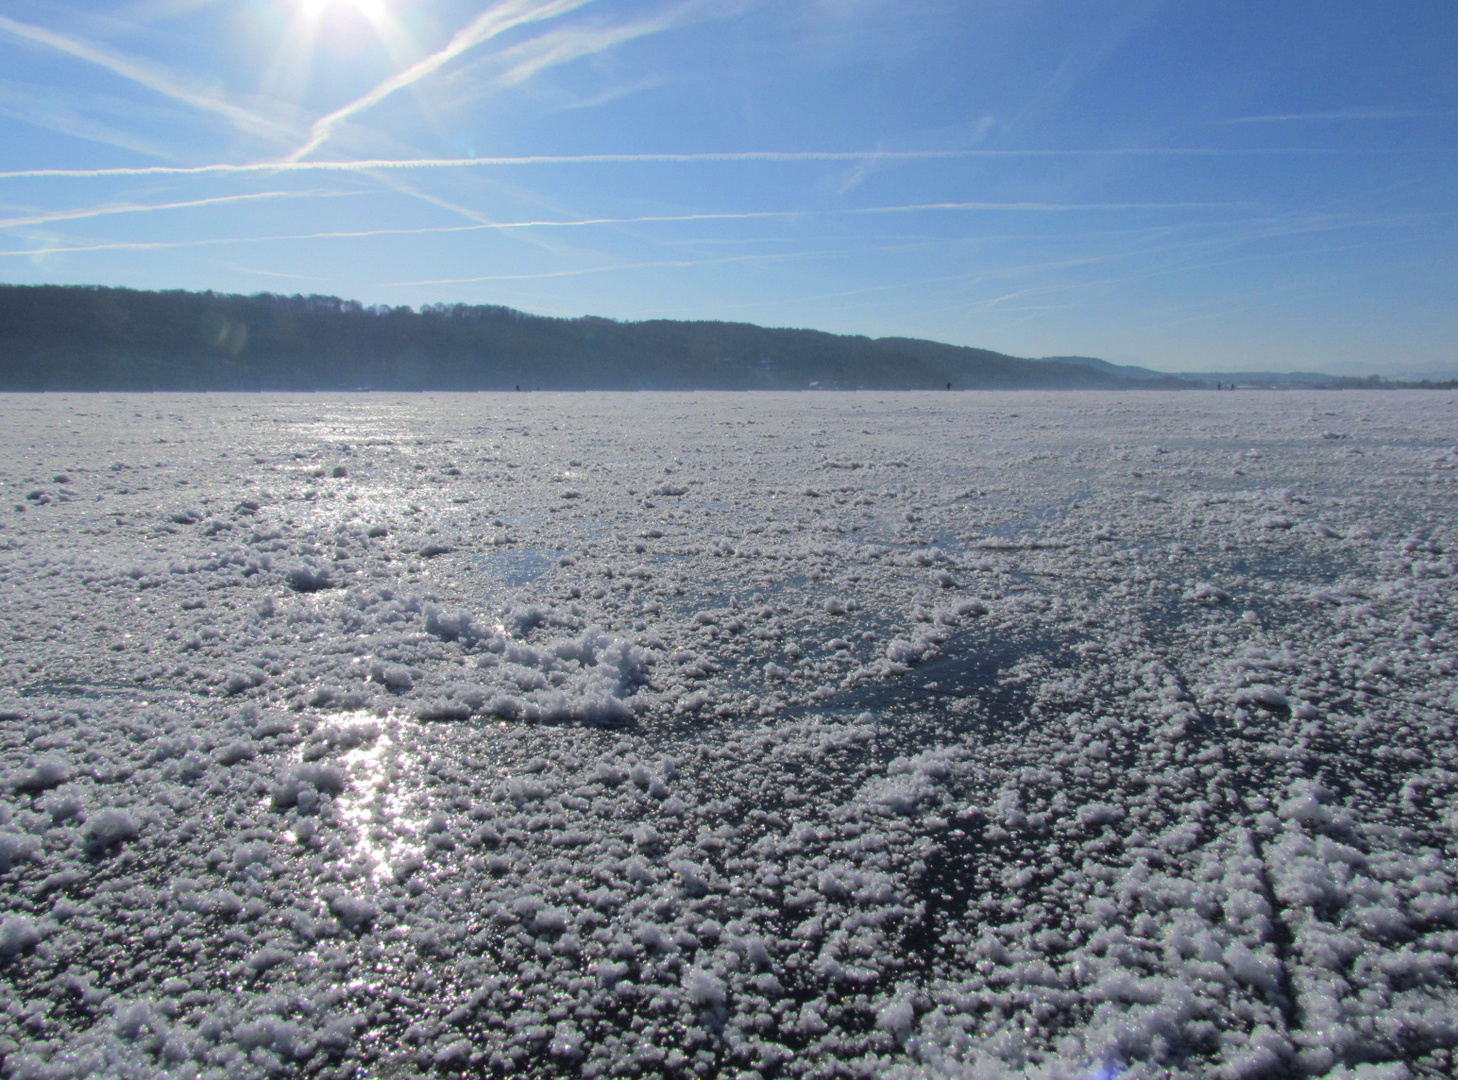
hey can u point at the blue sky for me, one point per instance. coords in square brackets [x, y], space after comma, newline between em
[1190, 186]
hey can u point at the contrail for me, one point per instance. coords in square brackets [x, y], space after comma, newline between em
[1038, 206]
[52, 112]
[1341, 114]
[780, 156]
[480, 162]
[642, 219]
[483, 28]
[147, 75]
[134, 208]
[570, 43]
[578, 272]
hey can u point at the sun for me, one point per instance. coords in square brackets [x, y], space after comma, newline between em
[374, 11]
[316, 29]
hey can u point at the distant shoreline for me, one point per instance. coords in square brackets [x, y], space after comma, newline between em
[85, 338]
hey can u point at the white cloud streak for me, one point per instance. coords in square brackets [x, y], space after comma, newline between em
[151, 76]
[767, 156]
[489, 24]
[1087, 57]
[574, 42]
[673, 264]
[482, 226]
[1341, 114]
[44, 110]
[51, 216]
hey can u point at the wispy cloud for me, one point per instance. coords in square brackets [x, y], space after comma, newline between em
[143, 73]
[483, 224]
[615, 92]
[1089, 55]
[672, 264]
[1088, 274]
[963, 136]
[769, 156]
[489, 24]
[62, 247]
[45, 110]
[480, 220]
[271, 273]
[49, 217]
[574, 42]
[162, 245]
[372, 164]
[1181, 252]
[1338, 114]
[1045, 207]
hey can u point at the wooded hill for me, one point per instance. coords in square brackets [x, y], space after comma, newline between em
[56, 337]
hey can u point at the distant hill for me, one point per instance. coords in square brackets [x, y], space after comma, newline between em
[1127, 372]
[55, 337]
[86, 338]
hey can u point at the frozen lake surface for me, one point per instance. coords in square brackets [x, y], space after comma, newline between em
[805, 735]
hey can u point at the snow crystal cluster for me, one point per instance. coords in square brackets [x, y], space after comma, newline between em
[866, 735]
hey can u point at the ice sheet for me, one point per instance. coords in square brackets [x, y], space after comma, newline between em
[983, 735]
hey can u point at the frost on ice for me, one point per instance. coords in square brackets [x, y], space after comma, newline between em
[937, 736]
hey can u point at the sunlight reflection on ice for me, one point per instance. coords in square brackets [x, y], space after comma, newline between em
[381, 802]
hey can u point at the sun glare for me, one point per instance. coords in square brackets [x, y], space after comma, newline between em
[339, 28]
[373, 10]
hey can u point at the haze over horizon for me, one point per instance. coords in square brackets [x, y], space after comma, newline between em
[1149, 182]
